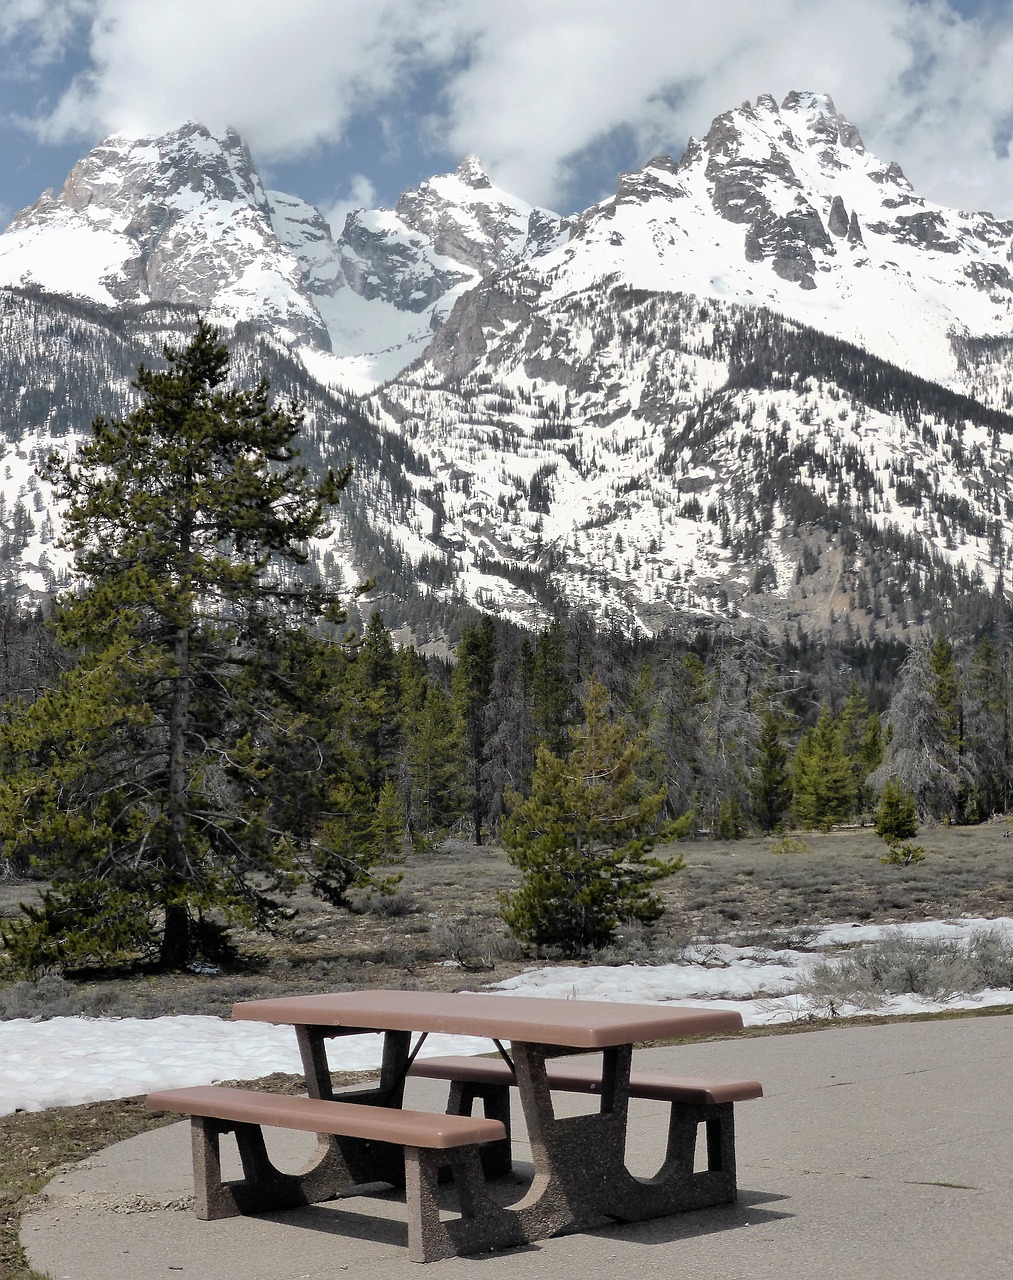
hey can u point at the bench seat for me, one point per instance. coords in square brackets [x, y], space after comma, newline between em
[359, 1144]
[319, 1115]
[585, 1077]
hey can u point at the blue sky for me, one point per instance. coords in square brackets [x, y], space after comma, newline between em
[349, 102]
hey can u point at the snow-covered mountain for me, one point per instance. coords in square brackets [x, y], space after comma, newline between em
[395, 274]
[184, 218]
[767, 381]
[784, 207]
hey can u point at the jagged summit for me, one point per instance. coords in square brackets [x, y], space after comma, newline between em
[784, 206]
[397, 273]
[181, 218]
[184, 217]
[471, 173]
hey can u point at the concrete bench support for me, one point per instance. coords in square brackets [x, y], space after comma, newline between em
[693, 1102]
[364, 1139]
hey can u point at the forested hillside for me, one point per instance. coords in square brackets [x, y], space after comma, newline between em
[727, 721]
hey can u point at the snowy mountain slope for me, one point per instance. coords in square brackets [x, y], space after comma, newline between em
[650, 454]
[65, 362]
[396, 273]
[782, 207]
[184, 218]
[767, 383]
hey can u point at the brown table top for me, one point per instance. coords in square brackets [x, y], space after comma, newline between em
[574, 1024]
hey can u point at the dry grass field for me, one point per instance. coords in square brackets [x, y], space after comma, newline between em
[442, 929]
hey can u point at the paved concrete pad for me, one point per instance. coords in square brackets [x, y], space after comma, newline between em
[877, 1151]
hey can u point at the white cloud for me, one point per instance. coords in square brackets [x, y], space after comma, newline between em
[289, 76]
[925, 86]
[532, 86]
[47, 25]
[361, 194]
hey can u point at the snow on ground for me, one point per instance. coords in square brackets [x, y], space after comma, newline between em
[65, 1061]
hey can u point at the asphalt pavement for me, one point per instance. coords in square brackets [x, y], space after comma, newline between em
[877, 1151]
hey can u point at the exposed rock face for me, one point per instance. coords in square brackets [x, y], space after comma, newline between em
[753, 181]
[382, 260]
[303, 229]
[837, 223]
[412, 263]
[779, 175]
[457, 227]
[490, 234]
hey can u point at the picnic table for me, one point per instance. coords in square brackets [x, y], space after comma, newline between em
[580, 1174]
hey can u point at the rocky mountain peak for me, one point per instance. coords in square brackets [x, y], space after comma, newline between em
[472, 174]
[142, 180]
[467, 219]
[182, 218]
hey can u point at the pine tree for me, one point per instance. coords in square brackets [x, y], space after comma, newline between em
[510, 748]
[552, 688]
[823, 784]
[583, 839]
[389, 825]
[921, 754]
[729, 729]
[471, 687]
[374, 721]
[677, 730]
[896, 816]
[946, 689]
[436, 766]
[987, 738]
[149, 773]
[772, 778]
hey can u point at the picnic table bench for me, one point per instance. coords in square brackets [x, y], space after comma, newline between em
[366, 1136]
[430, 1142]
[694, 1101]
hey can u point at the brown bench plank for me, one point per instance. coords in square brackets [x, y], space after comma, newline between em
[585, 1077]
[433, 1131]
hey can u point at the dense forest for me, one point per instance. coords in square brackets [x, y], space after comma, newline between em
[746, 734]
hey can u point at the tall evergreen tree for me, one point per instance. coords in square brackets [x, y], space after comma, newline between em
[471, 687]
[553, 695]
[823, 783]
[921, 754]
[146, 775]
[862, 742]
[772, 777]
[436, 761]
[729, 728]
[677, 730]
[510, 748]
[987, 738]
[373, 707]
[946, 689]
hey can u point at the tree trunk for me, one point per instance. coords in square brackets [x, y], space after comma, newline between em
[176, 941]
[176, 951]
[477, 806]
